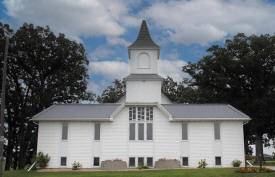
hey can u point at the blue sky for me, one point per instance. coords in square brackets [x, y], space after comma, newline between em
[184, 29]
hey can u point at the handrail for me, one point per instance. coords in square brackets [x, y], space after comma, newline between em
[31, 166]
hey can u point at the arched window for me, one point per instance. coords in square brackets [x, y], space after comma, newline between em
[144, 60]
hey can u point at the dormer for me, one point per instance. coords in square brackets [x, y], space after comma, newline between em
[144, 53]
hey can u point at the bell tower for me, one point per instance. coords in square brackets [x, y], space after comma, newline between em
[143, 84]
[143, 53]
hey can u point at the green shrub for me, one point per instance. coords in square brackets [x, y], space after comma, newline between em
[76, 165]
[42, 160]
[202, 163]
[142, 167]
[236, 163]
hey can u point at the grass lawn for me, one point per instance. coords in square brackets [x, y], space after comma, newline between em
[211, 172]
[269, 163]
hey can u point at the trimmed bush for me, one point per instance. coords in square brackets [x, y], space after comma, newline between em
[143, 167]
[42, 160]
[236, 163]
[202, 163]
[76, 165]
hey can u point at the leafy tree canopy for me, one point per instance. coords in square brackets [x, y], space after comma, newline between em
[43, 68]
[113, 93]
[241, 74]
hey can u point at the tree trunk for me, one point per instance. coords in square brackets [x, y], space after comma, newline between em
[22, 152]
[9, 148]
[15, 157]
[259, 150]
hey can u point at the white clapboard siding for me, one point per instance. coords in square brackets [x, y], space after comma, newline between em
[114, 137]
[232, 142]
[201, 142]
[49, 138]
[167, 141]
[80, 143]
[167, 137]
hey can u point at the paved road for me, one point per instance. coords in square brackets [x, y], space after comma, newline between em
[272, 167]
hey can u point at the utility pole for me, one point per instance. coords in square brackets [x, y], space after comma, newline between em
[3, 106]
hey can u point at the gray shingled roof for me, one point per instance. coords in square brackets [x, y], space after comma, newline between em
[104, 111]
[144, 40]
[203, 111]
[142, 77]
[77, 112]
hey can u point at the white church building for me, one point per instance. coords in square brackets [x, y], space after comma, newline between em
[144, 126]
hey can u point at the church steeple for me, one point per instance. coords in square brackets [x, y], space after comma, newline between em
[144, 40]
[143, 85]
[144, 53]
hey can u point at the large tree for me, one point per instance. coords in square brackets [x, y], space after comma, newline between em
[242, 74]
[180, 92]
[113, 92]
[43, 69]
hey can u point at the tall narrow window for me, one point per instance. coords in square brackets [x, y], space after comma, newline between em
[150, 161]
[96, 161]
[134, 113]
[184, 131]
[63, 161]
[130, 113]
[140, 161]
[132, 131]
[151, 113]
[218, 160]
[184, 161]
[132, 162]
[65, 131]
[149, 131]
[97, 131]
[140, 113]
[140, 131]
[217, 131]
[147, 113]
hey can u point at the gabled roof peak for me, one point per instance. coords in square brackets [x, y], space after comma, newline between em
[144, 40]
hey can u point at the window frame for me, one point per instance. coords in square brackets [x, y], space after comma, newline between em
[132, 166]
[142, 161]
[152, 165]
[183, 161]
[141, 131]
[98, 161]
[133, 125]
[184, 131]
[217, 131]
[141, 115]
[152, 135]
[65, 125]
[220, 160]
[61, 164]
[97, 136]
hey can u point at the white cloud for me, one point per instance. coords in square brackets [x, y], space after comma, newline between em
[110, 69]
[113, 40]
[75, 18]
[101, 52]
[97, 88]
[172, 68]
[183, 21]
[117, 69]
[201, 21]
